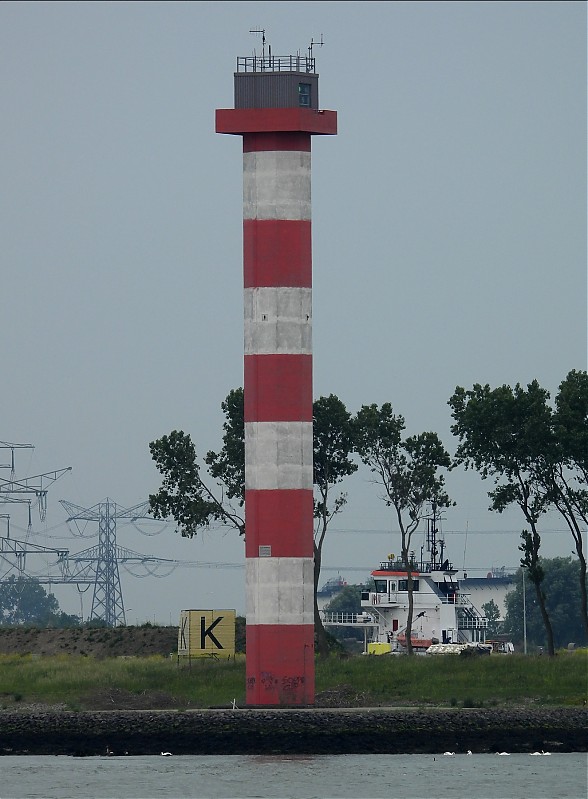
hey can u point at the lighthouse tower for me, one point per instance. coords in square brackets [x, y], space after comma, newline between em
[276, 112]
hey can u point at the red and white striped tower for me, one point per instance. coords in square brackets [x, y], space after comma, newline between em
[276, 113]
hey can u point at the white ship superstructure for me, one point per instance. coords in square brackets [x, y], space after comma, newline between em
[442, 612]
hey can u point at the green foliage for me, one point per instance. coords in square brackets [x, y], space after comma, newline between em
[571, 424]
[332, 448]
[183, 495]
[24, 601]
[228, 465]
[503, 432]
[408, 469]
[563, 601]
[347, 600]
[492, 613]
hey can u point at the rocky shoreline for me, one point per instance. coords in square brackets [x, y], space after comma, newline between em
[293, 731]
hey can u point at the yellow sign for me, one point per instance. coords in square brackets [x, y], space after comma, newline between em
[207, 633]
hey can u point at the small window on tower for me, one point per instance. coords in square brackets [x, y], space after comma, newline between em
[304, 95]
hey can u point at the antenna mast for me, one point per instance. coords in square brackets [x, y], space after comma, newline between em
[262, 31]
[314, 44]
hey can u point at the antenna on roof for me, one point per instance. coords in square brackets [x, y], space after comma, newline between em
[262, 31]
[314, 44]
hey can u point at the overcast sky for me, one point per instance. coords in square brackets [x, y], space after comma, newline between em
[449, 246]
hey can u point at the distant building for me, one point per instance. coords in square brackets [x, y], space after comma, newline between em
[494, 586]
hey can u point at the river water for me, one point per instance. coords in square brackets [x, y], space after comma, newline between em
[299, 777]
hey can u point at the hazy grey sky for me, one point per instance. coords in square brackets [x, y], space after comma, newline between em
[449, 233]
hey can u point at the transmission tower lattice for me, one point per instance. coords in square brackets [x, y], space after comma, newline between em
[107, 602]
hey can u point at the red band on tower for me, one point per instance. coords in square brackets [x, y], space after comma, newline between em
[279, 388]
[277, 252]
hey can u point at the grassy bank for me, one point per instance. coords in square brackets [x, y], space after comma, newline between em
[80, 682]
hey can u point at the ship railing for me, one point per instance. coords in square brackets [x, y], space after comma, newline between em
[470, 618]
[456, 599]
[473, 623]
[423, 567]
[347, 619]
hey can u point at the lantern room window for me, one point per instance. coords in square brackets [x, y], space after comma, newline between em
[304, 95]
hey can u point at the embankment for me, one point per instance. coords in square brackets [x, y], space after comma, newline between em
[300, 731]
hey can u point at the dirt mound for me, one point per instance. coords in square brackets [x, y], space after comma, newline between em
[99, 642]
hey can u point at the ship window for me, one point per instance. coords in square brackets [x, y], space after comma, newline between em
[381, 586]
[304, 95]
[392, 586]
[403, 585]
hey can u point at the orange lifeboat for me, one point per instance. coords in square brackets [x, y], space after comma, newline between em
[417, 643]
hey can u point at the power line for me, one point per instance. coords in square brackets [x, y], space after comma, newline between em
[449, 532]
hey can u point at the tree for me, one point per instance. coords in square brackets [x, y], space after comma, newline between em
[563, 601]
[567, 478]
[347, 600]
[492, 614]
[506, 434]
[186, 495]
[24, 601]
[408, 471]
[538, 456]
[333, 436]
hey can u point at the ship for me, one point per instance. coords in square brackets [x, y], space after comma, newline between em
[332, 586]
[443, 613]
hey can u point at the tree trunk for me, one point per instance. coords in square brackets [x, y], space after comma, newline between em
[408, 631]
[546, 620]
[530, 549]
[577, 534]
[322, 643]
[583, 592]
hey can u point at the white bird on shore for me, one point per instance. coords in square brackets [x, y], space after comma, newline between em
[469, 752]
[448, 754]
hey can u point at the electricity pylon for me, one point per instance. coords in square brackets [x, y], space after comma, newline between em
[107, 602]
[37, 485]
